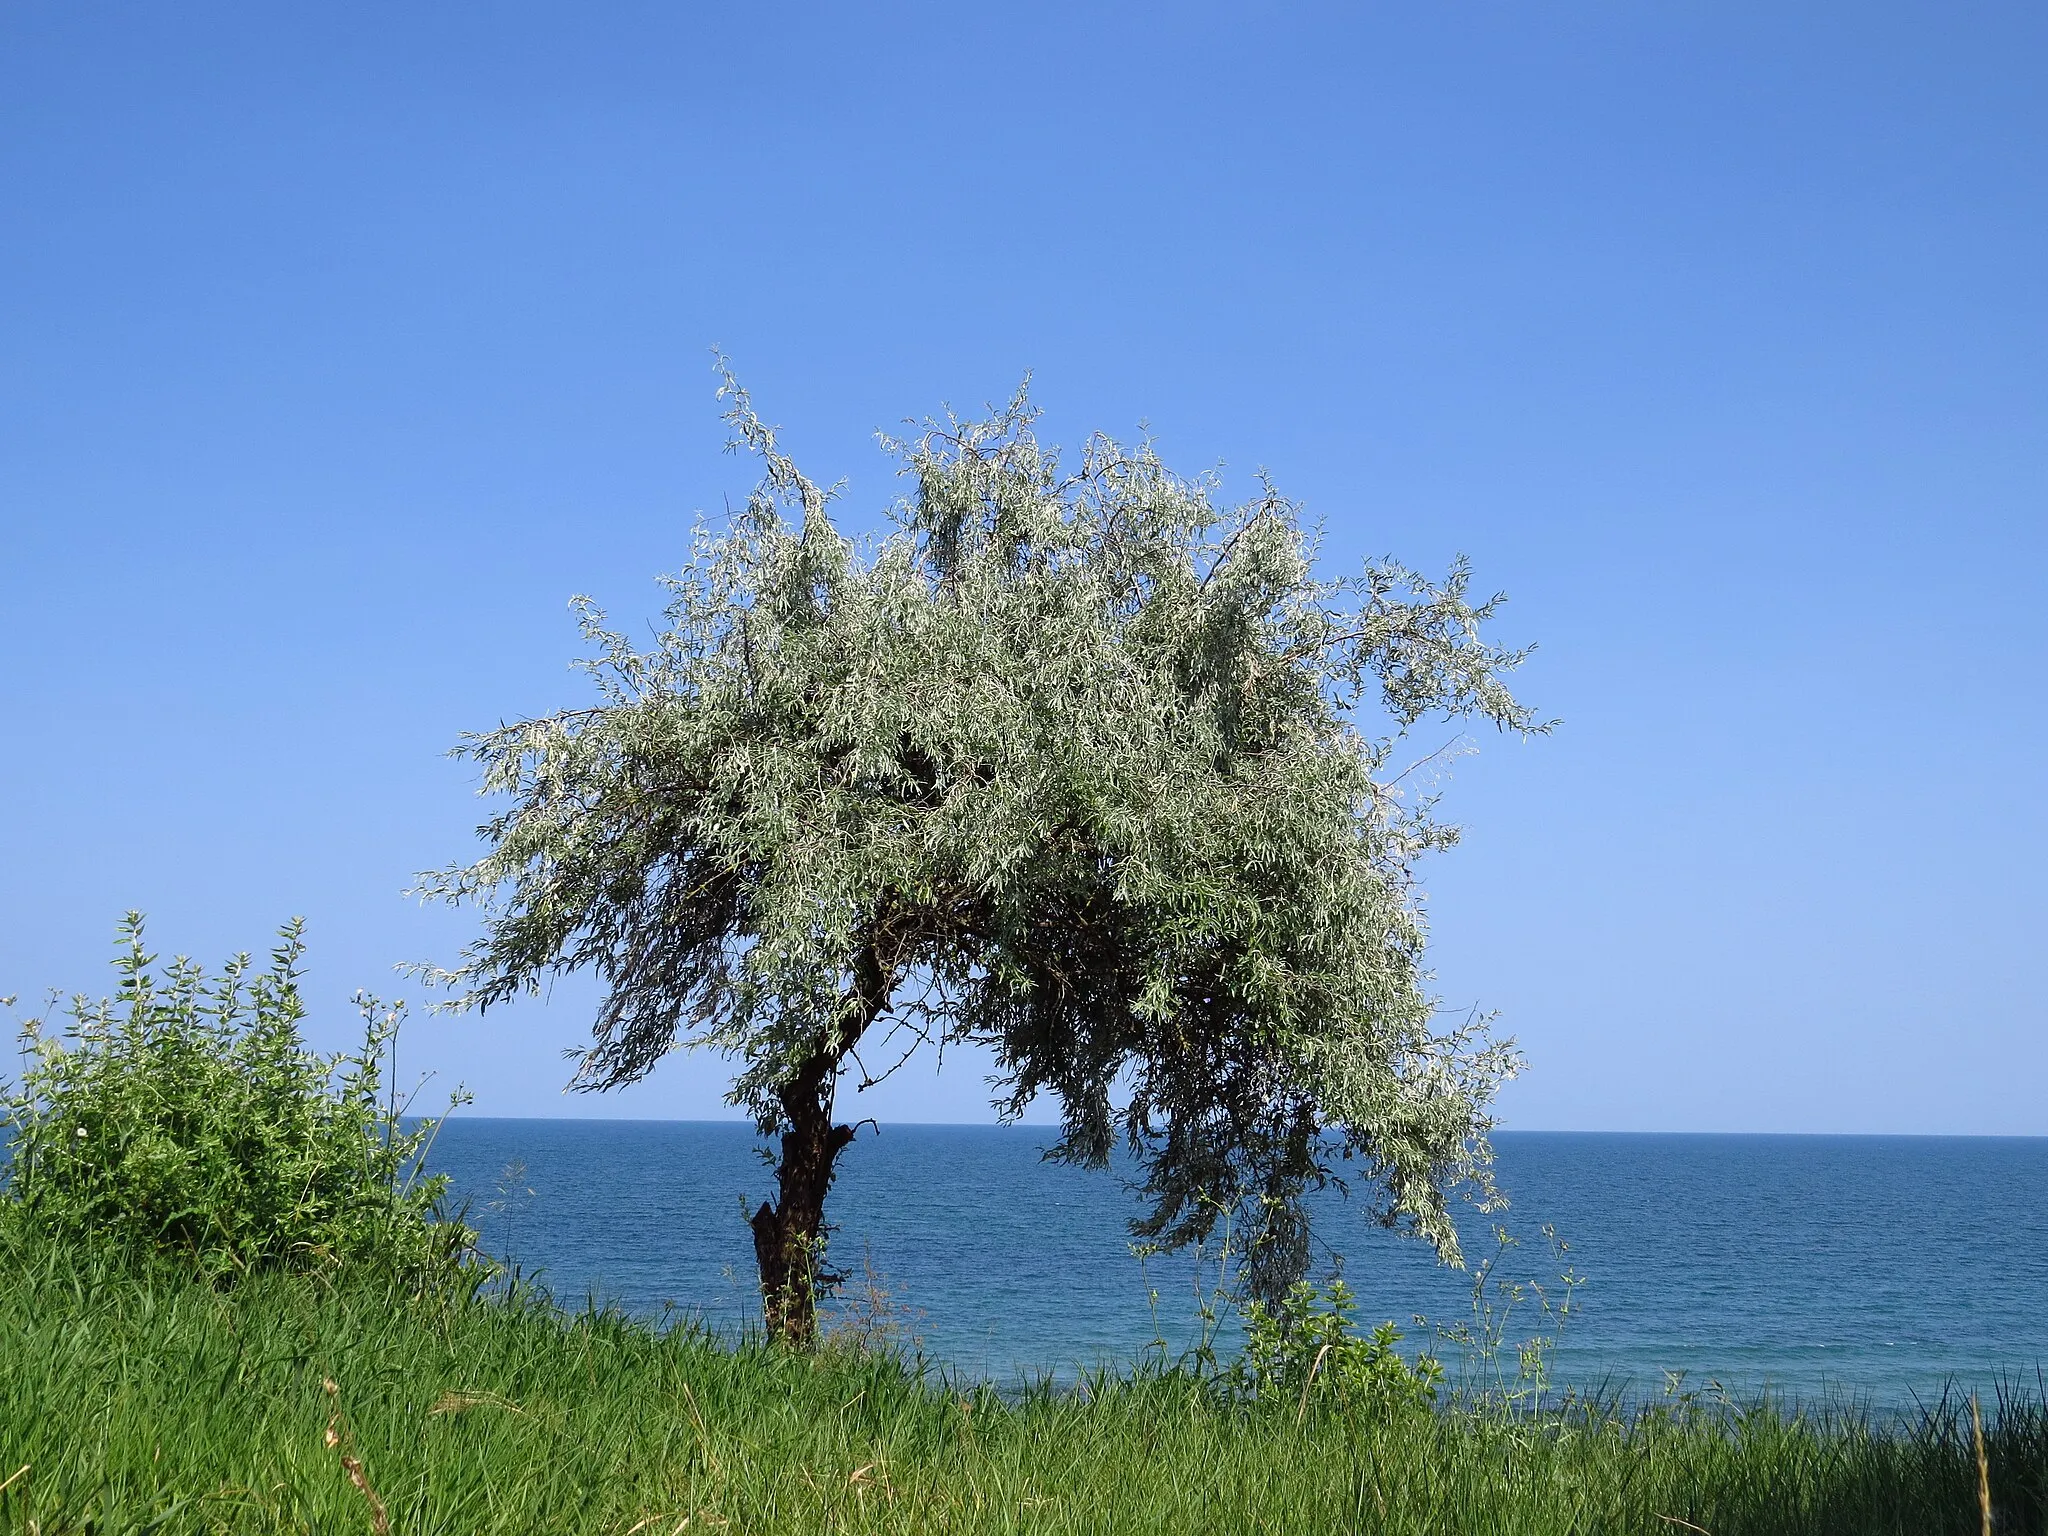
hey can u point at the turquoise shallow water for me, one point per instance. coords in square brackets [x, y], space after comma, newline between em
[1878, 1267]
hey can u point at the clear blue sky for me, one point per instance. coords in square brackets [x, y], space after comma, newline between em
[339, 345]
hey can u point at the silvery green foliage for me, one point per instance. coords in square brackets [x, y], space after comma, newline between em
[1071, 763]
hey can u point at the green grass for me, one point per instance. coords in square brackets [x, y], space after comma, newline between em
[146, 1402]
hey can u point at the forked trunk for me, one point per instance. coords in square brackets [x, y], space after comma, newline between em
[789, 1232]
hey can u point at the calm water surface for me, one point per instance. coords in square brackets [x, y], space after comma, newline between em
[1874, 1266]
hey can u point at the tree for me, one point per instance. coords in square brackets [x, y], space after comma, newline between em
[1072, 764]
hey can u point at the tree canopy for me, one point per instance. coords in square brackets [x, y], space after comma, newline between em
[1073, 762]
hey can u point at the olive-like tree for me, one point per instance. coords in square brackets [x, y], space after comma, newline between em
[1075, 764]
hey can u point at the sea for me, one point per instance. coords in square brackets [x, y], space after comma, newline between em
[1867, 1271]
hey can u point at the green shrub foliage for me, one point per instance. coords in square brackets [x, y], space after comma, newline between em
[186, 1116]
[1306, 1348]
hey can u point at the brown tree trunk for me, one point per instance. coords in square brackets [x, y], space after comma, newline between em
[789, 1232]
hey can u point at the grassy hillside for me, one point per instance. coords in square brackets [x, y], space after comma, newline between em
[146, 1402]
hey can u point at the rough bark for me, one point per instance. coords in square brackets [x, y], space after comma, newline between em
[789, 1232]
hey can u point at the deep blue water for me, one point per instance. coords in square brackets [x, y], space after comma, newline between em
[1873, 1266]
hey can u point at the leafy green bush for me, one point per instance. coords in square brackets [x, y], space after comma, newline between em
[188, 1117]
[1307, 1347]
